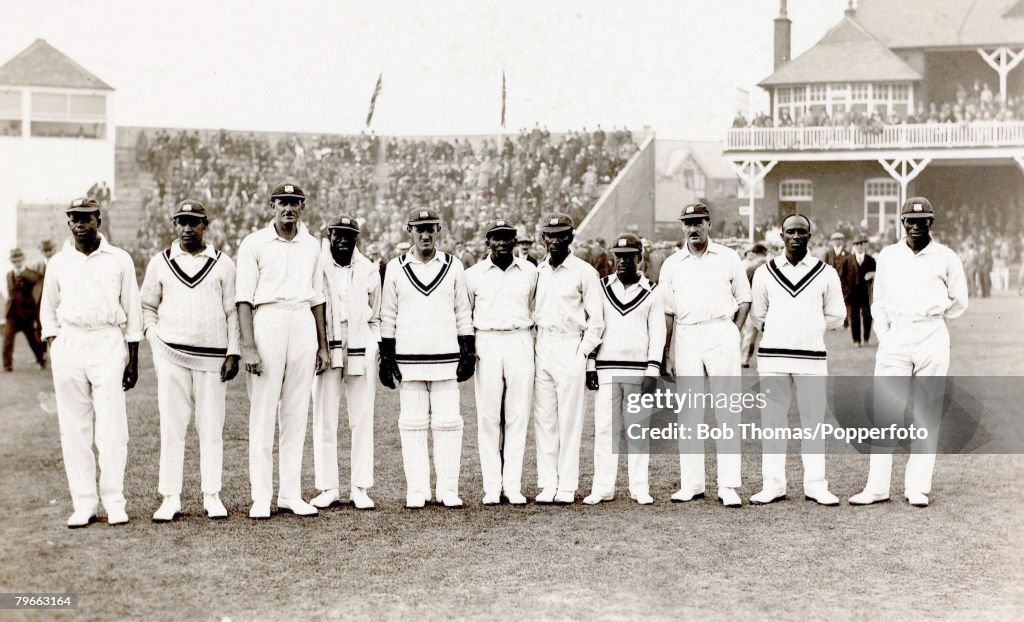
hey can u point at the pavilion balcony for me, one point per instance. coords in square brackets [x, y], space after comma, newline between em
[887, 137]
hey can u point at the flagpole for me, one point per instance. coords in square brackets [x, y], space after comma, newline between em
[501, 125]
[373, 98]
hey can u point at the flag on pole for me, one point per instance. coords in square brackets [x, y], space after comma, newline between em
[373, 98]
[503, 98]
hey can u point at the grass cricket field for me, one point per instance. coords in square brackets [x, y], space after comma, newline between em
[959, 558]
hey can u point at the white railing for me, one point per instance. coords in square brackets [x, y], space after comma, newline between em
[937, 135]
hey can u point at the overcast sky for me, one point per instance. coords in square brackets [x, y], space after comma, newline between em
[310, 65]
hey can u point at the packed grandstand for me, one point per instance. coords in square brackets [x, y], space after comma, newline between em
[377, 180]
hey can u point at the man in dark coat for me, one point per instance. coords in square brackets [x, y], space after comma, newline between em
[22, 310]
[838, 257]
[857, 278]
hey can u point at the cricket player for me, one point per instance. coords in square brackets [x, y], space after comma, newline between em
[796, 298]
[570, 321]
[501, 290]
[190, 321]
[919, 284]
[279, 291]
[628, 360]
[706, 296]
[92, 320]
[427, 345]
[352, 289]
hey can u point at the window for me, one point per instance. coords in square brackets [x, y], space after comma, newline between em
[817, 93]
[10, 113]
[880, 92]
[783, 96]
[796, 190]
[900, 92]
[688, 179]
[799, 94]
[880, 187]
[881, 204]
[10, 104]
[861, 92]
[69, 115]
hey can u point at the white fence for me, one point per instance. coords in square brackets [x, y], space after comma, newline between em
[977, 134]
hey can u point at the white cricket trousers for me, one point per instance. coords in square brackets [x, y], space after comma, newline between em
[611, 399]
[711, 348]
[811, 400]
[359, 399]
[180, 391]
[505, 366]
[433, 405]
[88, 372]
[912, 354]
[559, 397]
[286, 341]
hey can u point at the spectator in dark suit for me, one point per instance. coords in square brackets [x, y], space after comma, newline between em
[837, 256]
[22, 310]
[857, 281]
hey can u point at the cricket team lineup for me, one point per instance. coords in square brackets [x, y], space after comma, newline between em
[307, 320]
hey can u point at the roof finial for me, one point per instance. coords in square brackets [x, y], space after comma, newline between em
[782, 8]
[851, 8]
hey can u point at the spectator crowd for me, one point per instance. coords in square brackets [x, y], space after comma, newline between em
[466, 179]
[979, 104]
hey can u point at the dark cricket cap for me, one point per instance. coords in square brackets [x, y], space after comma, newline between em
[694, 210]
[17, 254]
[627, 243]
[189, 207]
[284, 191]
[917, 207]
[83, 205]
[500, 224]
[345, 223]
[424, 217]
[556, 223]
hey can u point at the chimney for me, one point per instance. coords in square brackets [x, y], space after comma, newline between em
[851, 8]
[782, 36]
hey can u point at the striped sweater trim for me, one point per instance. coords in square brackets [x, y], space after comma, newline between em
[625, 307]
[197, 350]
[814, 355]
[339, 345]
[197, 278]
[427, 359]
[426, 288]
[641, 365]
[794, 289]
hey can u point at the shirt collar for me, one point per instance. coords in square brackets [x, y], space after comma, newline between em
[412, 258]
[643, 282]
[808, 260]
[565, 264]
[104, 247]
[177, 250]
[302, 230]
[517, 262]
[924, 251]
[712, 248]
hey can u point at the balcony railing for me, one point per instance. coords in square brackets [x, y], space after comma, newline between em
[937, 135]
